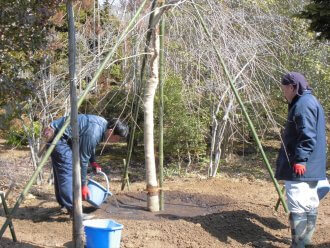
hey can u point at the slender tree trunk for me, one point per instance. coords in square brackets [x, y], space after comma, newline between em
[33, 146]
[77, 204]
[213, 135]
[214, 132]
[218, 147]
[161, 111]
[32, 140]
[149, 95]
[98, 41]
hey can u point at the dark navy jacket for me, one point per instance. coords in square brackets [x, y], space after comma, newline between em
[91, 131]
[304, 140]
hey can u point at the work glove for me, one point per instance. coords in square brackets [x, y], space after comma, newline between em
[299, 169]
[85, 192]
[96, 167]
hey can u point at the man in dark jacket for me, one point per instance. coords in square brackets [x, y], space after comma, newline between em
[92, 130]
[302, 158]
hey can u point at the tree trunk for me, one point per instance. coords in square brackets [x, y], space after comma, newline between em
[149, 95]
[76, 187]
[136, 99]
[220, 137]
[161, 111]
[32, 140]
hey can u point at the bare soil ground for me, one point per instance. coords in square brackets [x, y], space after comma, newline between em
[232, 210]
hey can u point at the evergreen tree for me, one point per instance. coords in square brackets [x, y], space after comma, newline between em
[24, 29]
[318, 12]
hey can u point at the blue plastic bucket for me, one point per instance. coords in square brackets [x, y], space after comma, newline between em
[98, 193]
[102, 233]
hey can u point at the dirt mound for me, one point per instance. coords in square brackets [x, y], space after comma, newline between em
[221, 212]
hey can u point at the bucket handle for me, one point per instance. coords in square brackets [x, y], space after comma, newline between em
[107, 180]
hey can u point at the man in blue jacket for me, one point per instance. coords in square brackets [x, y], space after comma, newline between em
[302, 158]
[92, 130]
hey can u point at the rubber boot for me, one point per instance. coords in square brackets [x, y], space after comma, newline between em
[311, 222]
[298, 223]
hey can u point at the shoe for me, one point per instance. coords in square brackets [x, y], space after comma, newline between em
[64, 210]
[84, 215]
[87, 216]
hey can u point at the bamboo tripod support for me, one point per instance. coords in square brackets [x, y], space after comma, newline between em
[246, 115]
[66, 124]
[7, 215]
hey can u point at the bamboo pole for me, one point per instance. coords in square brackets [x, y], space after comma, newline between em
[246, 115]
[5, 208]
[161, 112]
[136, 106]
[66, 123]
[127, 179]
[279, 200]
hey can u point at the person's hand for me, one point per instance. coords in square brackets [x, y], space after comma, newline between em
[96, 167]
[85, 192]
[299, 169]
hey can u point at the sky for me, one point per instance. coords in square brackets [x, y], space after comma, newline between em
[115, 2]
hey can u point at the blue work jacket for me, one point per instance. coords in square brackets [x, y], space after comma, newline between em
[304, 140]
[91, 133]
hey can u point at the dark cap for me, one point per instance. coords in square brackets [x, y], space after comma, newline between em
[119, 127]
[296, 79]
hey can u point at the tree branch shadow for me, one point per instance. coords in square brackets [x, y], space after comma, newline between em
[8, 243]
